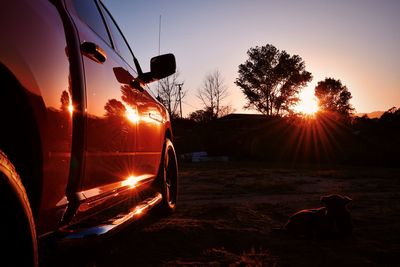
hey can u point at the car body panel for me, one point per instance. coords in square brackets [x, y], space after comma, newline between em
[100, 140]
[123, 140]
[38, 60]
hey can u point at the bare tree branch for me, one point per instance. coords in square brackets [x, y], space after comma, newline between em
[212, 93]
[168, 93]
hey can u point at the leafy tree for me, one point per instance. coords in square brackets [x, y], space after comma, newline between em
[129, 96]
[212, 94]
[201, 116]
[391, 115]
[114, 108]
[333, 96]
[271, 79]
[65, 100]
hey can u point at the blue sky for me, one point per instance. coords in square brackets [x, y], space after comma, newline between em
[356, 41]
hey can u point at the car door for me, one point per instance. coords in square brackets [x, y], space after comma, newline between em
[148, 113]
[111, 123]
[150, 134]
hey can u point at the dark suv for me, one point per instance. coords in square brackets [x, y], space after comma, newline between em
[84, 146]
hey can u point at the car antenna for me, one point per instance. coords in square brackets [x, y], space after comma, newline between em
[159, 49]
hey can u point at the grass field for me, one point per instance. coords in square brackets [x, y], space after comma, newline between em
[227, 210]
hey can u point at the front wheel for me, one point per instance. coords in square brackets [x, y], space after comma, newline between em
[168, 178]
[17, 224]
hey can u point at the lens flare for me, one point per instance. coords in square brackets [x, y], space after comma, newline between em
[308, 104]
[132, 114]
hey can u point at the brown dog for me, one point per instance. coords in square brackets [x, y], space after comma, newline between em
[338, 215]
[333, 220]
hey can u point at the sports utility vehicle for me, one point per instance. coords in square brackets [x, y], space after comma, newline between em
[84, 147]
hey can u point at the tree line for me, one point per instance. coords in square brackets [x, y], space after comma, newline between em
[295, 139]
[270, 79]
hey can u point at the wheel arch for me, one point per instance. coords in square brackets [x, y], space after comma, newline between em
[20, 134]
[168, 134]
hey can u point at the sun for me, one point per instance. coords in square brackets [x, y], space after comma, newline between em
[308, 104]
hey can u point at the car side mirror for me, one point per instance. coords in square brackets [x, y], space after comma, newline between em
[160, 67]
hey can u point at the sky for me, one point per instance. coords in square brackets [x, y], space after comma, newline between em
[356, 41]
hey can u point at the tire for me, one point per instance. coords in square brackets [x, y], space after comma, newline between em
[17, 223]
[168, 179]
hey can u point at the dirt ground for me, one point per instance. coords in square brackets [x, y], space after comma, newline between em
[227, 211]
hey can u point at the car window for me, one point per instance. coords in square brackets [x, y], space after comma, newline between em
[89, 13]
[121, 46]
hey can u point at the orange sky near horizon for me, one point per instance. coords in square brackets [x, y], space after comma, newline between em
[351, 40]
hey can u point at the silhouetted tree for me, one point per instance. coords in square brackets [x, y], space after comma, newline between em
[201, 116]
[333, 96]
[65, 101]
[114, 108]
[225, 110]
[168, 93]
[391, 115]
[271, 79]
[212, 94]
[129, 96]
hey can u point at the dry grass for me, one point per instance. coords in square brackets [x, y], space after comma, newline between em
[227, 210]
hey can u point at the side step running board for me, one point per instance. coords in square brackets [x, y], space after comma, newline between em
[113, 223]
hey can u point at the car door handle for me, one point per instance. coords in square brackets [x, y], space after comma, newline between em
[94, 52]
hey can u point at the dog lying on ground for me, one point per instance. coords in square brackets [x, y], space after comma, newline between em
[333, 220]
